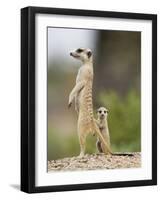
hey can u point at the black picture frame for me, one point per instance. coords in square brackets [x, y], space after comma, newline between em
[28, 98]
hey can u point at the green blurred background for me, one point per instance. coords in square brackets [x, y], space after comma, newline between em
[117, 70]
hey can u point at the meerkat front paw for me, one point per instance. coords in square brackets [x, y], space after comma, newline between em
[69, 104]
[70, 101]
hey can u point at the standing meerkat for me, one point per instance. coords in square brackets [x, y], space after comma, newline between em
[102, 114]
[82, 94]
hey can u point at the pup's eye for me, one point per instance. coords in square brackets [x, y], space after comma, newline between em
[100, 111]
[105, 111]
[79, 50]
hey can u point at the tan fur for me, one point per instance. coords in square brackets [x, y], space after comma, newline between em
[82, 94]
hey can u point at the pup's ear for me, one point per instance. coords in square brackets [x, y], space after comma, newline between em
[89, 53]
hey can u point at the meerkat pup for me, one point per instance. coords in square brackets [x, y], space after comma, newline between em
[102, 122]
[82, 95]
[102, 114]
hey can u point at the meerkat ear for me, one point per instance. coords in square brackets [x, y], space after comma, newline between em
[89, 53]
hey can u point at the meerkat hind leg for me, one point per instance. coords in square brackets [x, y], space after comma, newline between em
[105, 146]
[98, 145]
[82, 141]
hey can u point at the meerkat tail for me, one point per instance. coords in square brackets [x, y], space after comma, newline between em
[122, 154]
[96, 129]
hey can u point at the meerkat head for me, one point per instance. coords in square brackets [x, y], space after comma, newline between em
[102, 113]
[85, 55]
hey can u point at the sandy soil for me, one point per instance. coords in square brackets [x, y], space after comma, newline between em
[95, 161]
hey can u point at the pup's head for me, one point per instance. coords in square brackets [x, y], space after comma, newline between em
[82, 54]
[102, 113]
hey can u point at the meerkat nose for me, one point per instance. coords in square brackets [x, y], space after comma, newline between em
[70, 53]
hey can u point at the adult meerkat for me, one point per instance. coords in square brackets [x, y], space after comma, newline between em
[82, 94]
[102, 115]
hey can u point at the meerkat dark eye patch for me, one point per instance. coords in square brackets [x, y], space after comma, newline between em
[79, 50]
[89, 53]
[100, 111]
[105, 111]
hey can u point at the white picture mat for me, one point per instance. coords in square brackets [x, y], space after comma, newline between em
[43, 178]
